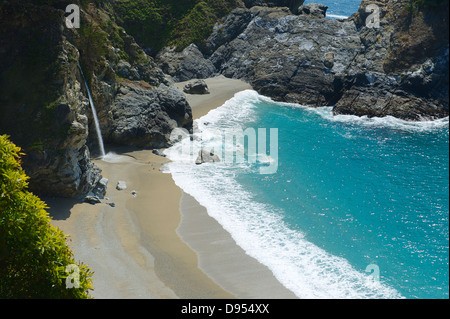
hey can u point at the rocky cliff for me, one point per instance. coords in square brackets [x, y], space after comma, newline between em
[285, 50]
[42, 105]
[399, 68]
[43, 100]
[402, 69]
[136, 104]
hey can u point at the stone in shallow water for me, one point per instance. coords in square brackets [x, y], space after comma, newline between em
[206, 157]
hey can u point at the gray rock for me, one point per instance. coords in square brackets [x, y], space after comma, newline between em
[206, 157]
[357, 69]
[329, 60]
[158, 152]
[186, 65]
[121, 185]
[402, 70]
[92, 200]
[100, 188]
[228, 30]
[123, 69]
[313, 9]
[196, 87]
[284, 56]
[62, 165]
[146, 116]
[293, 5]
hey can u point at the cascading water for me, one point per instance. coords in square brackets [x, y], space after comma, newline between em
[94, 113]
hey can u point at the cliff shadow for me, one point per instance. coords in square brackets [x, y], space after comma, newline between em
[60, 208]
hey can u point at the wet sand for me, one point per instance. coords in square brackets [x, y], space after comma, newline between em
[161, 243]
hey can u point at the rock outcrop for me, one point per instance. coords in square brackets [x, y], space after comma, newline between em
[293, 5]
[402, 69]
[196, 87]
[399, 69]
[44, 105]
[185, 65]
[287, 57]
[145, 116]
[136, 104]
[313, 9]
[206, 157]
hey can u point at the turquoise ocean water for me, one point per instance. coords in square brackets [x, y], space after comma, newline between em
[338, 9]
[357, 208]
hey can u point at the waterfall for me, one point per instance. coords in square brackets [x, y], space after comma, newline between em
[94, 112]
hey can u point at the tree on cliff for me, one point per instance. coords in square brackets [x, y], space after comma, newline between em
[35, 260]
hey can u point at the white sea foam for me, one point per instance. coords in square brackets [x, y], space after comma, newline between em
[387, 122]
[391, 122]
[336, 16]
[301, 266]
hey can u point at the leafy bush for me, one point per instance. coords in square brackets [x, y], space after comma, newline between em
[155, 24]
[198, 24]
[92, 45]
[34, 254]
[427, 4]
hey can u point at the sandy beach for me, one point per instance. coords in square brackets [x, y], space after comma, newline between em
[160, 243]
[221, 90]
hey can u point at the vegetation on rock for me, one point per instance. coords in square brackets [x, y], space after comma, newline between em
[34, 254]
[155, 24]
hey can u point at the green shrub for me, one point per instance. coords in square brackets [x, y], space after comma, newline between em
[155, 24]
[427, 4]
[198, 24]
[34, 254]
[92, 45]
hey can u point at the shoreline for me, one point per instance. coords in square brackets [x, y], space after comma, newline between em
[145, 246]
[223, 260]
[221, 90]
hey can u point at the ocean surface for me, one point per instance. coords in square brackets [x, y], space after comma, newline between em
[335, 206]
[338, 9]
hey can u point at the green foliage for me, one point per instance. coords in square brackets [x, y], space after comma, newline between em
[426, 4]
[33, 253]
[198, 24]
[155, 23]
[31, 73]
[92, 45]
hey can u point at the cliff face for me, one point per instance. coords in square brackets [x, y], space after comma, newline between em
[398, 69]
[41, 103]
[287, 57]
[43, 100]
[293, 5]
[286, 51]
[402, 69]
[136, 104]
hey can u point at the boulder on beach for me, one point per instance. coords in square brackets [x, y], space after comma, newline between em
[196, 87]
[206, 157]
[100, 190]
[121, 185]
[92, 200]
[158, 152]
